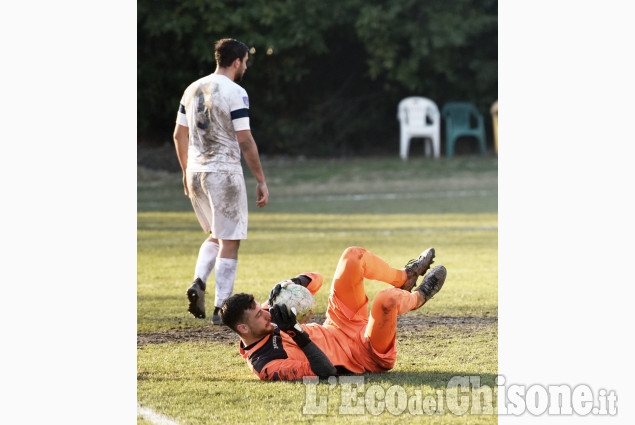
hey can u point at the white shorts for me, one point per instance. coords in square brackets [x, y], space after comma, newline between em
[220, 203]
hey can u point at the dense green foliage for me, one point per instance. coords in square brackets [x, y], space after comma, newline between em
[327, 75]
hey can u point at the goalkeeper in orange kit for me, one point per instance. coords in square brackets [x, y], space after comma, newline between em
[350, 340]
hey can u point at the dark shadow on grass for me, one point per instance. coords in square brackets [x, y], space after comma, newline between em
[435, 380]
[432, 379]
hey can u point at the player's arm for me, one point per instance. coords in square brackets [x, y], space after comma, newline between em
[181, 138]
[250, 152]
[318, 361]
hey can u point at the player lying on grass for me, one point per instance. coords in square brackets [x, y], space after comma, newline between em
[349, 341]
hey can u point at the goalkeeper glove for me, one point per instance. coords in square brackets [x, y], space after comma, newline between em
[287, 322]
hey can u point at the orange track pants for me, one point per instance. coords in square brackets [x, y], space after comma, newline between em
[348, 285]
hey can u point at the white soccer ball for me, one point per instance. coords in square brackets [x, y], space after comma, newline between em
[299, 298]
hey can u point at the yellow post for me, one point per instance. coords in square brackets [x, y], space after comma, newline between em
[494, 112]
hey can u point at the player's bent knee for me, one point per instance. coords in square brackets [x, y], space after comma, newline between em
[386, 300]
[354, 253]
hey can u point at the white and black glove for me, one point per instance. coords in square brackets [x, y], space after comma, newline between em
[276, 290]
[301, 280]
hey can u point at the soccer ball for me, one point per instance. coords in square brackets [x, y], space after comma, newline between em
[298, 297]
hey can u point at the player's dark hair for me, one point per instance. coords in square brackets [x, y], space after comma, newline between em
[233, 309]
[228, 50]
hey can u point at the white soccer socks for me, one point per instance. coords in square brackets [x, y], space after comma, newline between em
[206, 260]
[225, 276]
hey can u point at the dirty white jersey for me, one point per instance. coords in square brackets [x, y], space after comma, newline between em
[214, 108]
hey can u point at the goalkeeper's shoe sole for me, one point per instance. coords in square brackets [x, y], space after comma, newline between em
[433, 282]
[418, 267]
[196, 296]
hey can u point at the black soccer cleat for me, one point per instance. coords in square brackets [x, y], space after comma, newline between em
[416, 268]
[196, 296]
[216, 320]
[432, 282]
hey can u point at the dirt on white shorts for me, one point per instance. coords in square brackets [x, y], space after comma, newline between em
[220, 203]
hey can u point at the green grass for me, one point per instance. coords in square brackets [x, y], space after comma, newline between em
[317, 209]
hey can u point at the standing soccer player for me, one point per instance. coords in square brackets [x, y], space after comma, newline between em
[212, 129]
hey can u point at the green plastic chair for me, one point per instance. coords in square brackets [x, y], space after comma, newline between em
[462, 119]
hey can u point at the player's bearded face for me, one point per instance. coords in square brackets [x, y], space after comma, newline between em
[268, 326]
[260, 325]
[240, 72]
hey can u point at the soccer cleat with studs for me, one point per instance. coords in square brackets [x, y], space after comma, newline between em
[432, 282]
[416, 268]
[196, 296]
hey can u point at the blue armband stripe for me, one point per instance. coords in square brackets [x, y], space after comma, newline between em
[240, 113]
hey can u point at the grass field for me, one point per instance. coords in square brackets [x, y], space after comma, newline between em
[191, 371]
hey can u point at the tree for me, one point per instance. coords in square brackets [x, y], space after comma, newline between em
[326, 76]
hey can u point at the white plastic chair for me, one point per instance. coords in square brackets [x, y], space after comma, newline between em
[419, 117]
